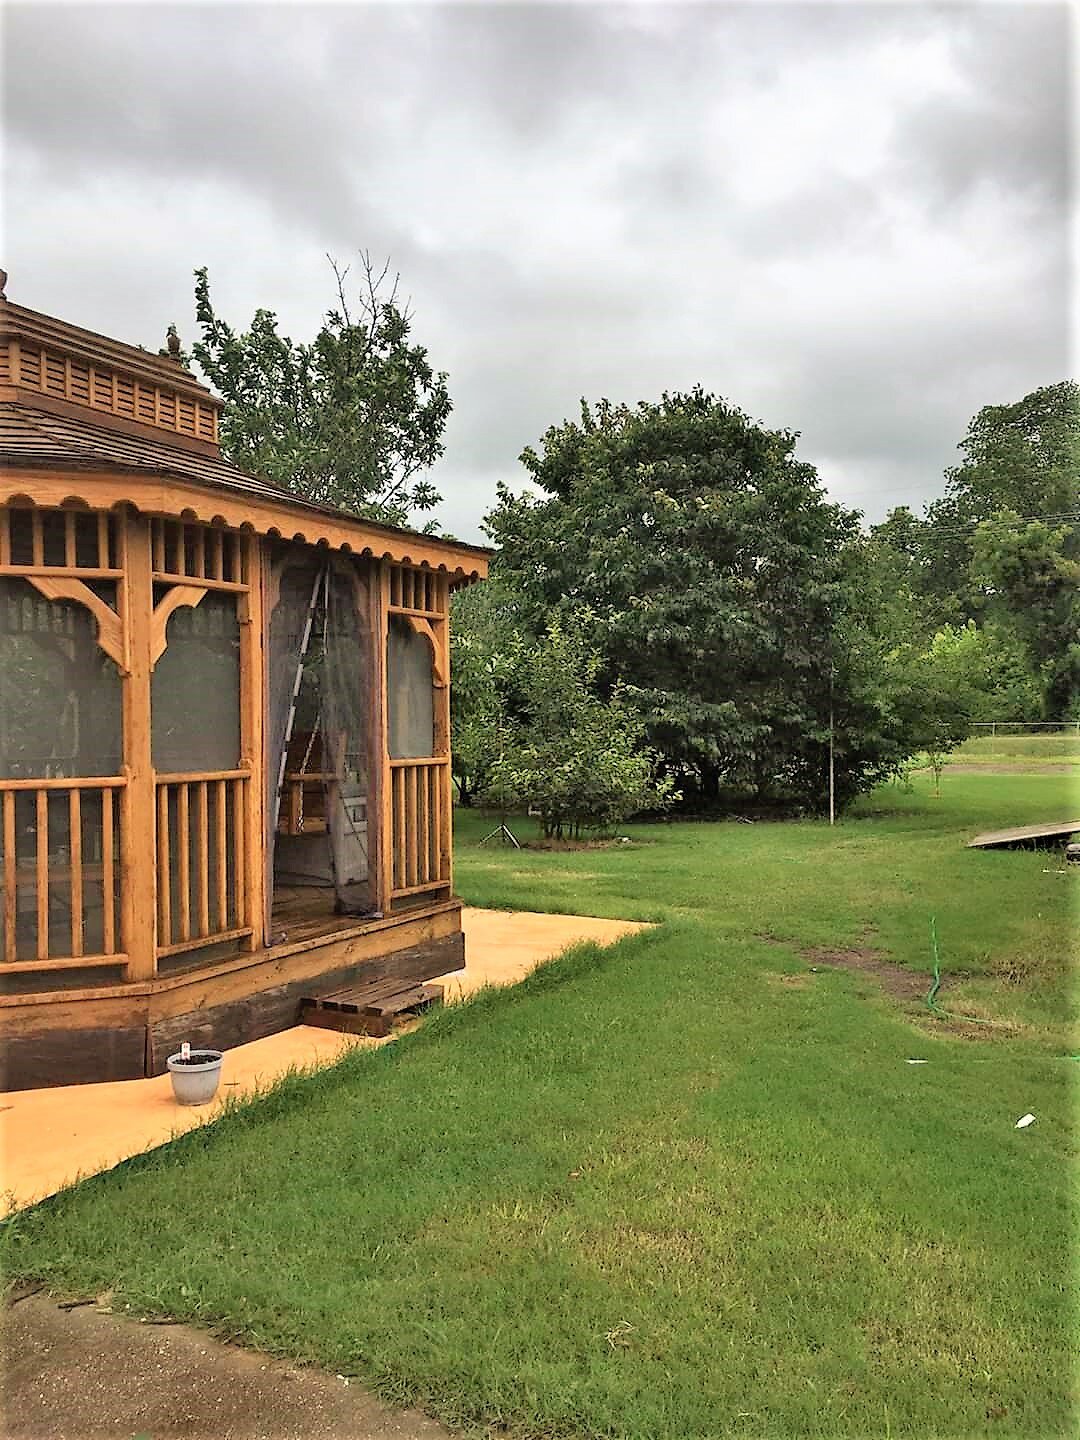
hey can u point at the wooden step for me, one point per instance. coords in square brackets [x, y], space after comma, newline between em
[369, 1009]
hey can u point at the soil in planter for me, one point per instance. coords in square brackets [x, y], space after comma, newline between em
[197, 1057]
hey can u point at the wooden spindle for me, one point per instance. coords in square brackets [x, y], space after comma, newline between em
[202, 851]
[104, 558]
[10, 890]
[435, 823]
[217, 555]
[412, 826]
[108, 882]
[398, 787]
[75, 844]
[164, 877]
[222, 856]
[157, 544]
[38, 538]
[5, 536]
[423, 820]
[238, 852]
[198, 567]
[42, 874]
[69, 539]
[422, 813]
[183, 838]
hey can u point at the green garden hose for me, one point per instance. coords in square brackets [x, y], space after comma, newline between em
[936, 1009]
[931, 1003]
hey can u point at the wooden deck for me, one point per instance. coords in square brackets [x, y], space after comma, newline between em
[306, 912]
[1024, 835]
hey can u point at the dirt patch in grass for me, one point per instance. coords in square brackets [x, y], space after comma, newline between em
[907, 986]
[895, 980]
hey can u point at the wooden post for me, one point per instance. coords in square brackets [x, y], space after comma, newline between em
[444, 777]
[164, 867]
[252, 742]
[138, 888]
[384, 854]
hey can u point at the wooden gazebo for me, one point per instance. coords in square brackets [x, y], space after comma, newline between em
[224, 726]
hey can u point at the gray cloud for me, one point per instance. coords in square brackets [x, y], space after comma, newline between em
[848, 219]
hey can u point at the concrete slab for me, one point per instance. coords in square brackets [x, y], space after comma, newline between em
[50, 1138]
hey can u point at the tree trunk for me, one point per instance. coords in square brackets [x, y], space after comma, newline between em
[710, 783]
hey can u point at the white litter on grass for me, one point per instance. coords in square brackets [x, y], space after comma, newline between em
[918, 1062]
[1024, 1122]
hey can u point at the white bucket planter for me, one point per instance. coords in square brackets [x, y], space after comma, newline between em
[196, 1075]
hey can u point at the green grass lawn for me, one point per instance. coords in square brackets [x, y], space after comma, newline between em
[685, 1187]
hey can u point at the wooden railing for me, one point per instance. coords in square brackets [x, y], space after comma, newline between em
[73, 542]
[182, 550]
[60, 853]
[420, 826]
[201, 873]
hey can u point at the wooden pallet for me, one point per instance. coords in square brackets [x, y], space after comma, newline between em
[369, 1009]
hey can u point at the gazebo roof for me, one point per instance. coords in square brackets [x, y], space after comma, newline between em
[87, 418]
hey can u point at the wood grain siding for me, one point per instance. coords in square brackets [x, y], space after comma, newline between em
[111, 391]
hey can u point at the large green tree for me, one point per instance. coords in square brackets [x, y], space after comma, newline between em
[1030, 574]
[1002, 545]
[714, 572]
[351, 419]
[1023, 458]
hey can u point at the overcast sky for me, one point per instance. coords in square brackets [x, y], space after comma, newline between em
[851, 220]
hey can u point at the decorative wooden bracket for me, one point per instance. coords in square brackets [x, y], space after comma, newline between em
[425, 628]
[177, 596]
[110, 627]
